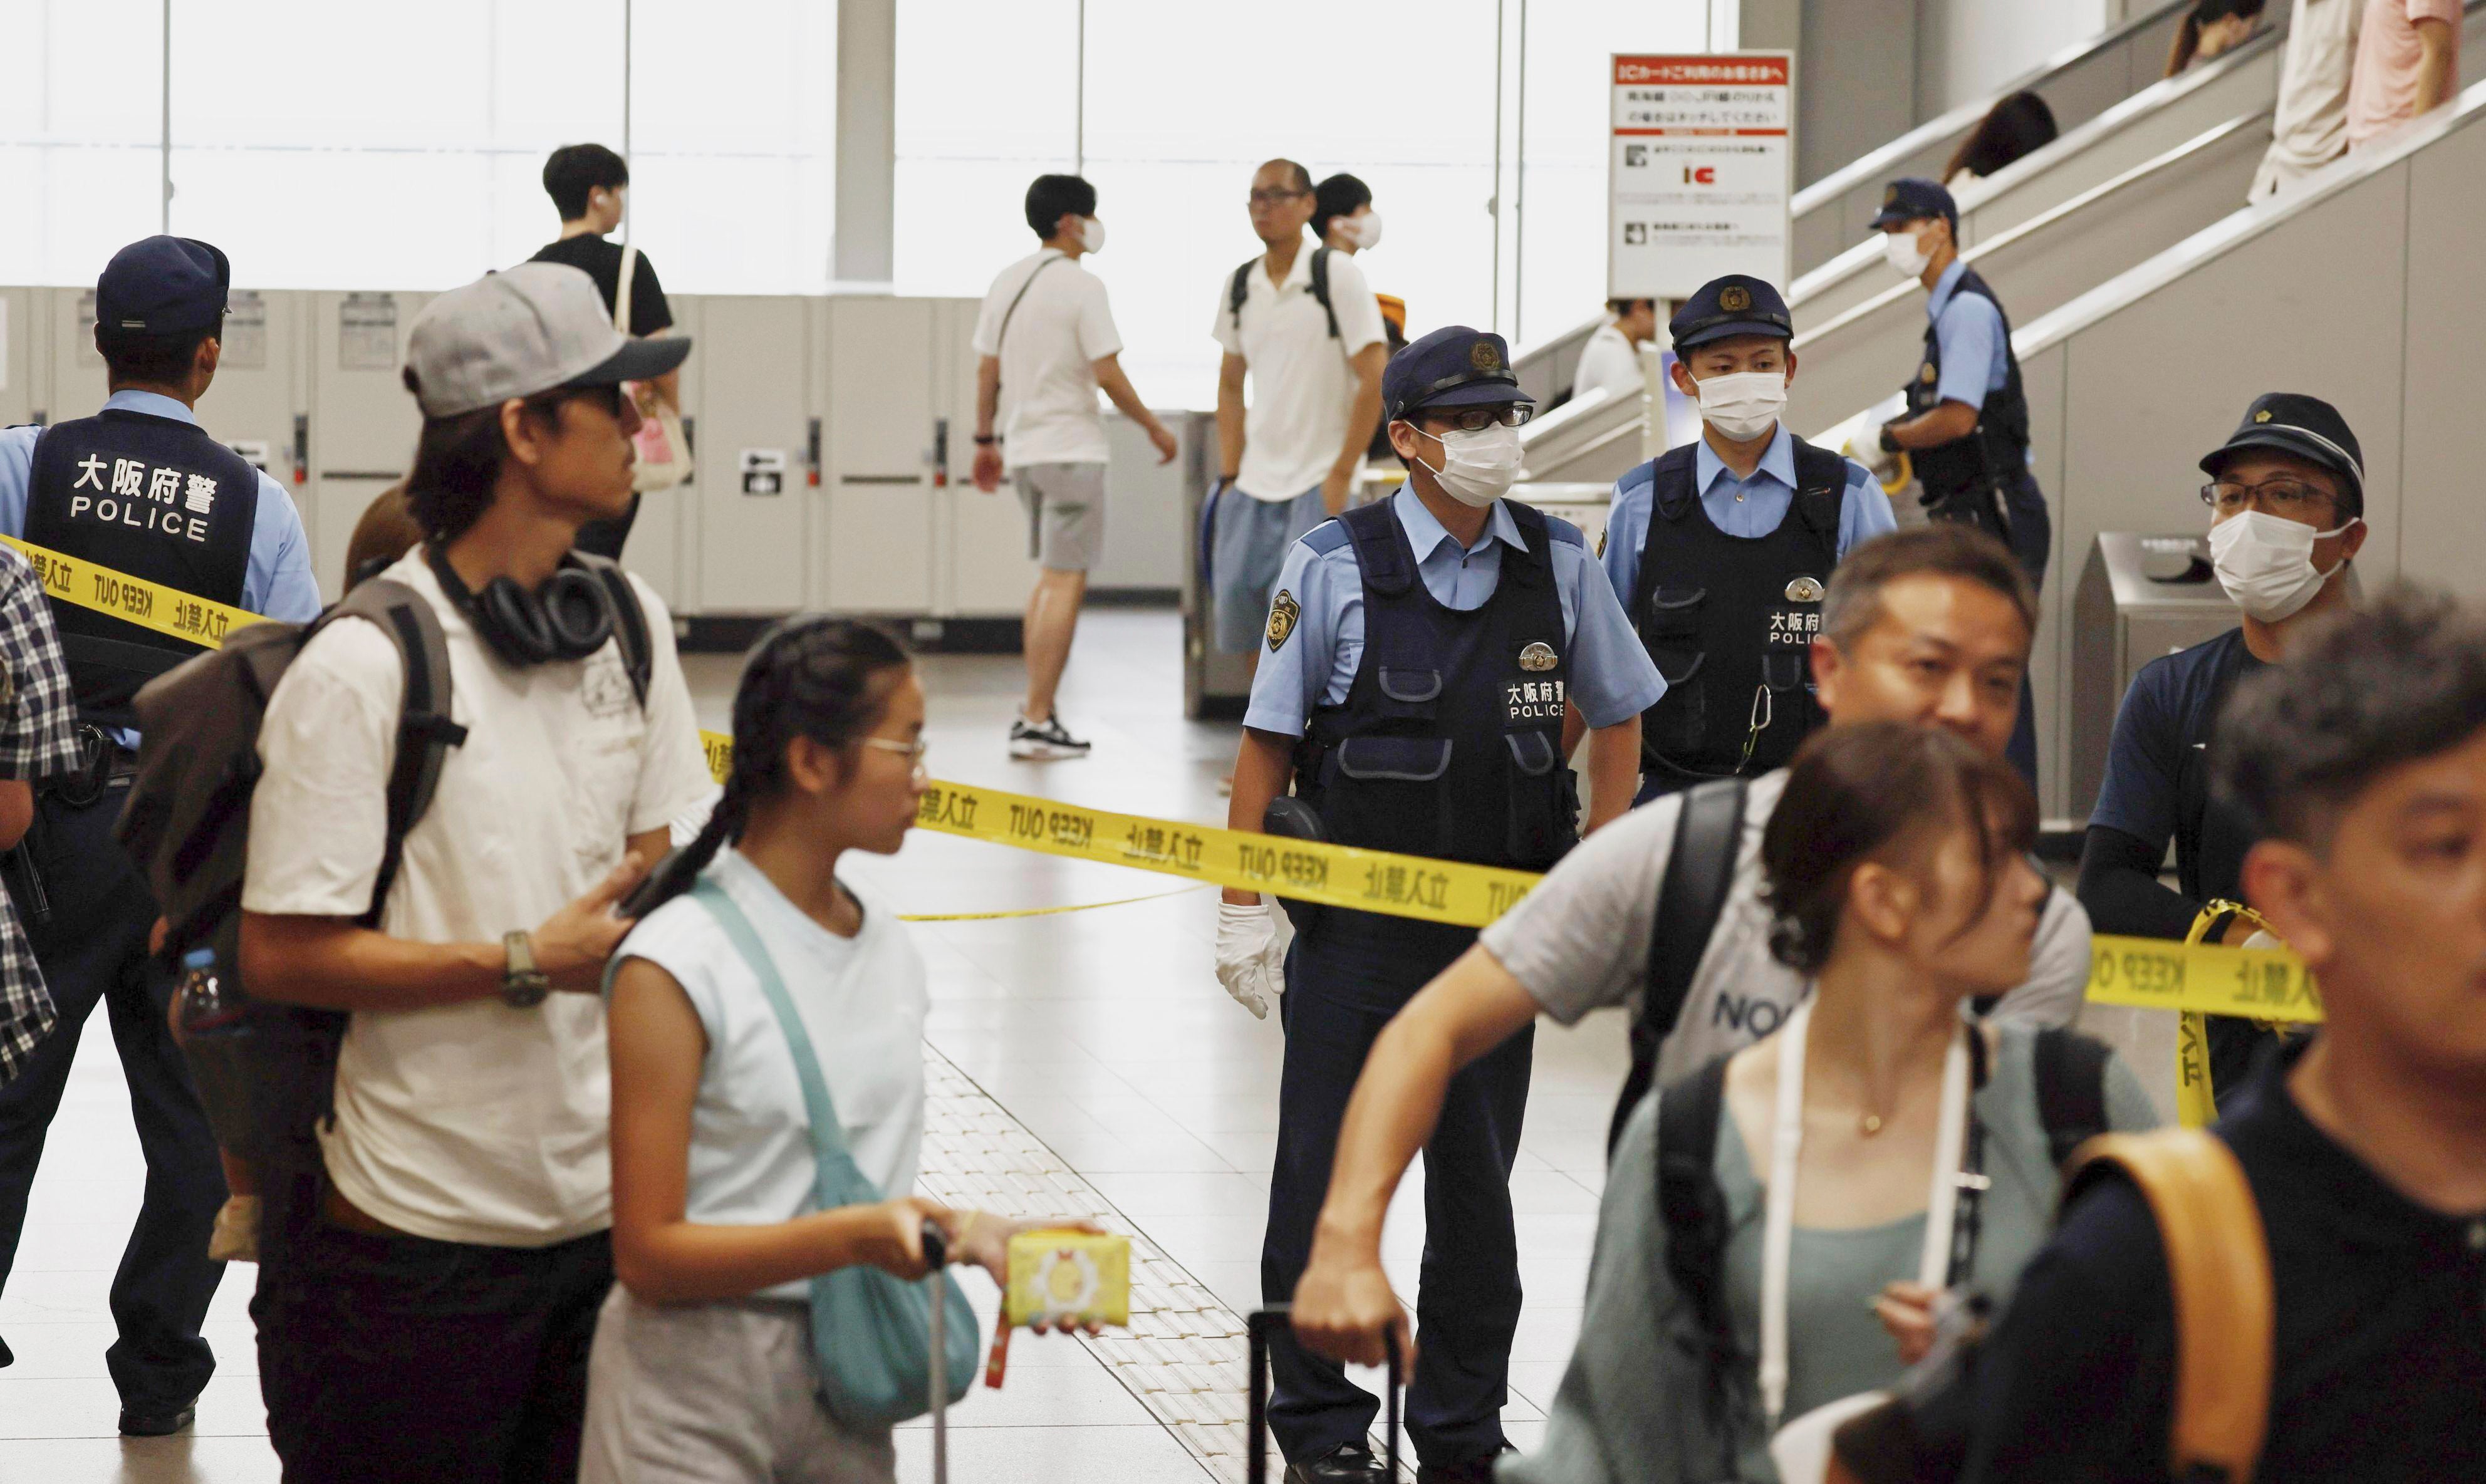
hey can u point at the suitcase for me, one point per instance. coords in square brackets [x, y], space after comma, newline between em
[1255, 1448]
[936, 1257]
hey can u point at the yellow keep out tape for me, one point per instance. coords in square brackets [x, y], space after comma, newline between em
[2150, 972]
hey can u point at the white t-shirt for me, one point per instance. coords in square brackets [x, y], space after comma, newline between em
[1301, 385]
[862, 1000]
[2310, 128]
[1580, 941]
[472, 1122]
[1609, 360]
[1062, 329]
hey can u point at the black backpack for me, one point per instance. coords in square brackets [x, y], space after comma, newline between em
[187, 821]
[1708, 832]
[1394, 332]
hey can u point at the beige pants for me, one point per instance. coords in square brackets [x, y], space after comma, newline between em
[715, 1393]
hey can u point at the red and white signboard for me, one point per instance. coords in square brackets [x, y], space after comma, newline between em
[1701, 172]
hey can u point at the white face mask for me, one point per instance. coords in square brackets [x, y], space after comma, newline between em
[1091, 234]
[2266, 563]
[1477, 468]
[1900, 251]
[1364, 232]
[1743, 406]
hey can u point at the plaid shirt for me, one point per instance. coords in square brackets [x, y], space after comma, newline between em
[37, 739]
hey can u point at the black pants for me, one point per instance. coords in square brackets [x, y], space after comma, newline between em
[403, 1361]
[2029, 532]
[1467, 1304]
[93, 948]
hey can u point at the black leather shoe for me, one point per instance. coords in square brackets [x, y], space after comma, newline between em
[156, 1424]
[1348, 1464]
[8, 1357]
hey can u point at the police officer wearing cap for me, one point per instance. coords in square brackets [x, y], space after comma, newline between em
[1420, 654]
[1966, 429]
[139, 488]
[2286, 505]
[1721, 550]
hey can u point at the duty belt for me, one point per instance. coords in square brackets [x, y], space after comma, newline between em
[101, 763]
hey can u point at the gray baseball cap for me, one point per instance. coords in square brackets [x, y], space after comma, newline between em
[537, 327]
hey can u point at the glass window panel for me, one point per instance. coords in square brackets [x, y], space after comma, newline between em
[987, 100]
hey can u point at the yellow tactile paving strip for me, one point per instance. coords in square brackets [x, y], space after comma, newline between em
[1184, 1355]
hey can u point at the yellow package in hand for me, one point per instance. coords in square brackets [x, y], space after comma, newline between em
[1074, 1277]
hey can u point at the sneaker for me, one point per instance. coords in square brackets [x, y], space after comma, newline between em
[1049, 740]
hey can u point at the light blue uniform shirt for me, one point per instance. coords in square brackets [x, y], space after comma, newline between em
[1612, 678]
[278, 582]
[1969, 329]
[1747, 508]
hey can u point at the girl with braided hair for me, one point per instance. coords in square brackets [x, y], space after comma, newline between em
[701, 1366]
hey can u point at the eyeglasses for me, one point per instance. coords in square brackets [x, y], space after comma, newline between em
[1475, 419]
[913, 752]
[1272, 198]
[2293, 498]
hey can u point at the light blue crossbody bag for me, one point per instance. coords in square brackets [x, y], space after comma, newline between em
[870, 1333]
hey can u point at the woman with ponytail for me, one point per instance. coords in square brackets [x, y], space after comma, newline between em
[703, 1363]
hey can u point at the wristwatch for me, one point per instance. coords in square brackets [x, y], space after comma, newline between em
[1890, 444]
[523, 985]
[985, 440]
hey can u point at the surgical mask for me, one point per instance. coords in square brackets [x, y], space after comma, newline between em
[1091, 234]
[1364, 231]
[1900, 251]
[1743, 406]
[2266, 563]
[1477, 468]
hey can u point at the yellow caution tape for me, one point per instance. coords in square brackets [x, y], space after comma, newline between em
[1041, 912]
[2149, 973]
[146, 604]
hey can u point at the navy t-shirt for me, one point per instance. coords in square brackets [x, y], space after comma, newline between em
[2380, 1352]
[2167, 712]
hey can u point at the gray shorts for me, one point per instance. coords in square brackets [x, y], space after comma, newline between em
[715, 1393]
[1065, 515]
[1247, 542]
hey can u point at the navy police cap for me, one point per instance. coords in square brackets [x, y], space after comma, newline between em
[1914, 199]
[159, 287]
[1454, 367]
[1737, 304]
[2305, 426]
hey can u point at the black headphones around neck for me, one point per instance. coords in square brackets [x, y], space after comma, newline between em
[570, 619]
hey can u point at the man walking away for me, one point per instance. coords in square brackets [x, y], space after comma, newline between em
[1046, 334]
[590, 186]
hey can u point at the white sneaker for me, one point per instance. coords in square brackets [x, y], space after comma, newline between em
[1029, 740]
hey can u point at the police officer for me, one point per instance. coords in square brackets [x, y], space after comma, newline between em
[1966, 429]
[1420, 653]
[1721, 550]
[2286, 505]
[138, 488]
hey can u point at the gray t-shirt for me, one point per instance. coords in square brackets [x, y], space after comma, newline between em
[1579, 942]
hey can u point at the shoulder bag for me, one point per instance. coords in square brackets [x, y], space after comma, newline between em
[664, 453]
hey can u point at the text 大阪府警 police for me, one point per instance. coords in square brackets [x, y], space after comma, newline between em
[131, 492]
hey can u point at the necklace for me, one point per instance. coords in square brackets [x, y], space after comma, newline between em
[1868, 1124]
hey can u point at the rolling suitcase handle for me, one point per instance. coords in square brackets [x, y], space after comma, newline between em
[936, 1257]
[1255, 1447]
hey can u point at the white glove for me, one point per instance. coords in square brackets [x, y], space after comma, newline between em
[2262, 938]
[1248, 962]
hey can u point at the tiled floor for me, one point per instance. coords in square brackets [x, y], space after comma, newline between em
[1102, 1035]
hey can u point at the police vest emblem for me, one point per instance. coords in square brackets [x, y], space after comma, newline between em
[1283, 614]
[1803, 590]
[1538, 656]
[1734, 299]
[1483, 357]
[1926, 373]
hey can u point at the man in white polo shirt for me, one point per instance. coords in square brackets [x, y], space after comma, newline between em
[1046, 336]
[427, 1317]
[1306, 328]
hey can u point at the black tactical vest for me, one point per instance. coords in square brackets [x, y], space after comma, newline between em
[1730, 620]
[1961, 477]
[1450, 741]
[150, 497]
